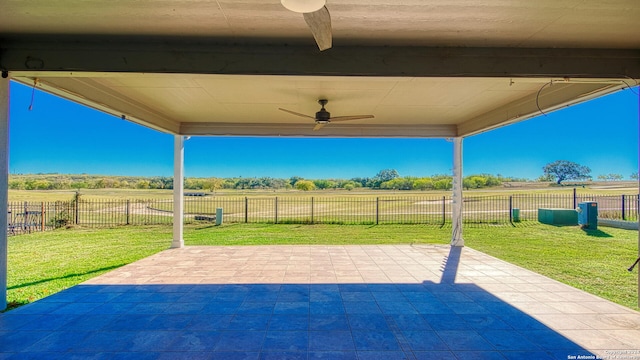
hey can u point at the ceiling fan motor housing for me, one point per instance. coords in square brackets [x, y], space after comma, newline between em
[323, 116]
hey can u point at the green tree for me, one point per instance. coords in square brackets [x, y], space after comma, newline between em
[305, 185]
[405, 183]
[443, 183]
[243, 183]
[634, 176]
[194, 183]
[16, 185]
[384, 176]
[362, 181]
[79, 185]
[474, 182]
[324, 184]
[163, 182]
[213, 184]
[143, 184]
[280, 184]
[423, 184]
[294, 179]
[43, 185]
[349, 185]
[566, 170]
[229, 184]
[491, 180]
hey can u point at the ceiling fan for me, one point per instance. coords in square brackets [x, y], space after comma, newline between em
[317, 17]
[323, 117]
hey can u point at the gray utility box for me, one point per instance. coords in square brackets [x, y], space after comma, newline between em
[218, 216]
[588, 215]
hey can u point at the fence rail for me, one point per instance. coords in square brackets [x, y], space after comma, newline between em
[24, 217]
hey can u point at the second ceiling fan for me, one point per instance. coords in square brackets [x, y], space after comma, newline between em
[323, 117]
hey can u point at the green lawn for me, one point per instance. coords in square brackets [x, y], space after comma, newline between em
[594, 261]
[43, 263]
[40, 264]
[283, 234]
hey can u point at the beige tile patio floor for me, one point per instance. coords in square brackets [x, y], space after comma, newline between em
[320, 302]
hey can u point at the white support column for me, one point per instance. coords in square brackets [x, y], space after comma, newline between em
[178, 191]
[456, 212]
[638, 204]
[4, 186]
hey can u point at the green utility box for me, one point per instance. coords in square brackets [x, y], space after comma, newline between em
[515, 214]
[558, 216]
[218, 216]
[588, 215]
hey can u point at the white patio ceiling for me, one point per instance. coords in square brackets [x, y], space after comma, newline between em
[423, 68]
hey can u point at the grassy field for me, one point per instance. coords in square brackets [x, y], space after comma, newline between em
[43, 263]
[101, 194]
[596, 188]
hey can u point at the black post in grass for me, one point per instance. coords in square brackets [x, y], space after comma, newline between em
[511, 209]
[128, 210]
[77, 205]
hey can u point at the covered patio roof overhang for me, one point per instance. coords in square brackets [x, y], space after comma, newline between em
[423, 69]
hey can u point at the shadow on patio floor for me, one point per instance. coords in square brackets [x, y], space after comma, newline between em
[425, 320]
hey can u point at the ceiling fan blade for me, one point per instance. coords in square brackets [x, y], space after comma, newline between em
[353, 117]
[296, 113]
[319, 126]
[320, 24]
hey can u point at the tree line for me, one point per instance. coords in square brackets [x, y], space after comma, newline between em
[387, 179]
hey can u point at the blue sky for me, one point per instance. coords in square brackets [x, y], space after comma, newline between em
[58, 136]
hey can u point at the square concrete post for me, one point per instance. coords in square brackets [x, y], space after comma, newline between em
[178, 191]
[4, 185]
[456, 211]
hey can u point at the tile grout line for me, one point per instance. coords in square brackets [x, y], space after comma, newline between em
[404, 344]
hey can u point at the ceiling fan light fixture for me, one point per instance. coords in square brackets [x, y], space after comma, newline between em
[303, 6]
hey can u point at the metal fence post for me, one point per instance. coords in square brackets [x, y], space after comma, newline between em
[246, 209]
[76, 210]
[624, 217]
[377, 210]
[128, 211]
[312, 209]
[511, 209]
[25, 220]
[276, 209]
[575, 198]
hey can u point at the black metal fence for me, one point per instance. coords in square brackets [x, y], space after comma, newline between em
[27, 217]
